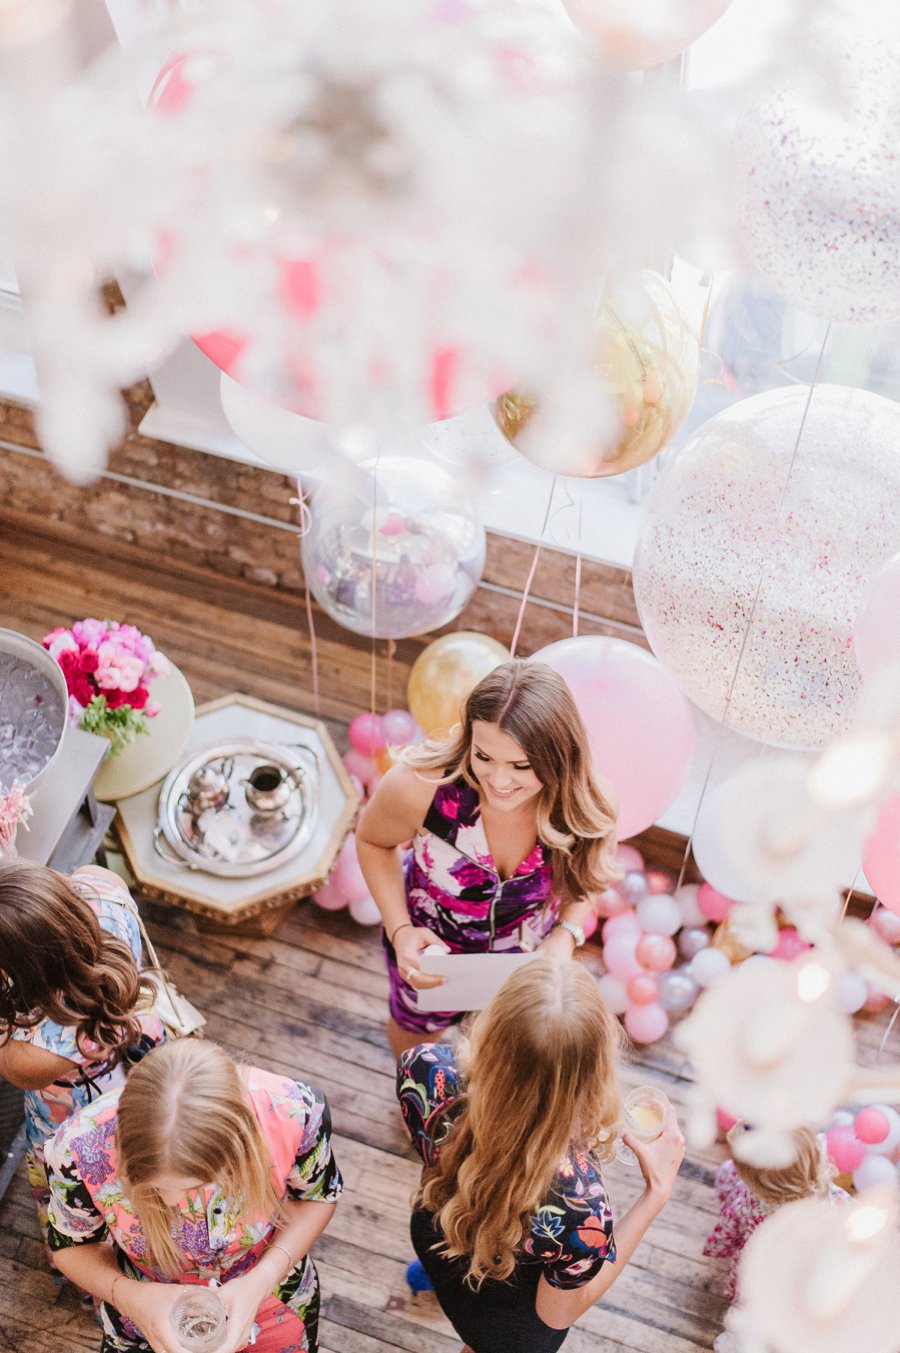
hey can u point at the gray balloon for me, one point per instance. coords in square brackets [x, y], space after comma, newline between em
[676, 990]
[691, 940]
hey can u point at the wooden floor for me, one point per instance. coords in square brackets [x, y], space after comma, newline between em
[310, 1001]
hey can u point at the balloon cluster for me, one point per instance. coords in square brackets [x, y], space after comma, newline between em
[865, 1144]
[648, 927]
[372, 740]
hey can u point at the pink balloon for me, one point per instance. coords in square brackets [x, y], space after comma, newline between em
[656, 952]
[329, 898]
[628, 858]
[725, 1119]
[875, 1001]
[646, 1023]
[642, 989]
[398, 727]
[844, 1150]
[363, 767]
[623, 923]
[365, 734]
[714, 905]
[789, 945]
[639, 724]
[881, 856]
[871, 1125]
[610, 903]
[589, 925]
[347, 877]
[658, 881]
[876, 634]
[618, 956]
[886, 924]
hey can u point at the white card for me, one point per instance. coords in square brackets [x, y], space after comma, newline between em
[472, 979]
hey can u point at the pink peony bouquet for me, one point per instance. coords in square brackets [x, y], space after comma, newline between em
[107, 667]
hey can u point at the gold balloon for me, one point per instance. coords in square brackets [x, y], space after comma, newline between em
[724, 938]
[445, 672]
[647, 360]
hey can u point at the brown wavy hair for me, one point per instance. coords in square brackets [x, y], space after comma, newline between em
[540, 1072]
[58, 963]
[808, 1175]
[184, 1111]
[576, 822]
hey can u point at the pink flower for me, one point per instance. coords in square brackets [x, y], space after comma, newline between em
[88, 661]
[138, 697]
[68, 661]
[82, 689]
[159, 665]
[115, 698]
[152, 708]
[117, 670]
[75, 710]
[60, 641]
[90, 633]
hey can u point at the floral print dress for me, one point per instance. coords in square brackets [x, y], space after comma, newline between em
[453, 889]
[569, 1238]
[46, 1108]
[218, 1239]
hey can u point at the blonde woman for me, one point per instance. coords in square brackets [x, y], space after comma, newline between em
[197, 1170]
[512, 838]
[73, 1012]
[512, 1222]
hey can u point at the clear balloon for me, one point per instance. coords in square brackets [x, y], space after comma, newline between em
[646, 364]
[876, 634]
[395, 551]
[677, 990]
[635, 717]
[638, 35]
[818, 192]
[737, 511]
[445, 672]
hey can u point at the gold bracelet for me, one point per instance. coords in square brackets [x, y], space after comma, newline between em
[276, 1245]
[397, 930]
[112, 1290]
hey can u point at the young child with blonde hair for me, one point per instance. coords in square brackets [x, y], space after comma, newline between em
[748, 1194]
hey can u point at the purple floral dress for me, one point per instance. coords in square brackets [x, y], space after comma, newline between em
[453, 889]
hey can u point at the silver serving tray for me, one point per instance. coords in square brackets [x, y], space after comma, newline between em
[234, 840]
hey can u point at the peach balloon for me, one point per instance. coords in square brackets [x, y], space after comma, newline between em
[642, 989]
[635, 34]
[656, 952]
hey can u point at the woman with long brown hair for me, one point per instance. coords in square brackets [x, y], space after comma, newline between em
[73, 1010]
[512, 837]
[512, 1222]
[197, 1170]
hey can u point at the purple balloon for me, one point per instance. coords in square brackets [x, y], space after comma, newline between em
[692, 940]
[676, 990]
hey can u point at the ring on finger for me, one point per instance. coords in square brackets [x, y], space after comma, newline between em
[410, 974]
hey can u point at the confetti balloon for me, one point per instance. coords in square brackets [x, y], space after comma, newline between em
[646, 366]
[636, 35]
[876, 634]
[394, 551]
[736, 535]
[818, 188]
[444, 673]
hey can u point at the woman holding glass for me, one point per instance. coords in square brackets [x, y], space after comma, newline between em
[512, 1222]
[200, 1172]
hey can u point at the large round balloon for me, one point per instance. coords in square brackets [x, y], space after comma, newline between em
[646, 370]
[716, 529]
[876, 632]
[640, 726]
[640, 33]
[818, 188]
[445, 672]
[881, 856]
[395, 550]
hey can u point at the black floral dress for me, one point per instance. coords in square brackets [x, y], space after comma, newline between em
[569, 1239]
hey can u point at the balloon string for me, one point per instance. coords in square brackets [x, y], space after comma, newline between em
[763, 577]
[373, 587]
[887, 1033]
[531, 572]
[391, 650]
[850, 892]
[576, 604]
[305, 523]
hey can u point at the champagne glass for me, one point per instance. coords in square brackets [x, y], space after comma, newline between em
[645, 1112]
[198, 1320]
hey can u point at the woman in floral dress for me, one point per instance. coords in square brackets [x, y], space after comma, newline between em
[199, 1172]
[73, 1013]
[513, 1126]
[512, 838]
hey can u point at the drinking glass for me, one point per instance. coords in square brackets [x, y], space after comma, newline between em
[198, 1320]
[645, 1112]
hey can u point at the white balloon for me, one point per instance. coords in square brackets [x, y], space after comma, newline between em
[686, 897]
[709, 966]
[842, 1118]
[365, 911]
[659, 914]
[892, 1140]
[852, 992]
[874, 1170]
[613, 993]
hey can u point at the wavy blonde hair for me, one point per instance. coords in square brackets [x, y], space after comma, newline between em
[807, 1176]
[540, 1072]
[184, 1111]
[575, 821]
[60, 964]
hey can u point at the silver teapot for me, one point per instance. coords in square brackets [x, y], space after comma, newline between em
[207, 788]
